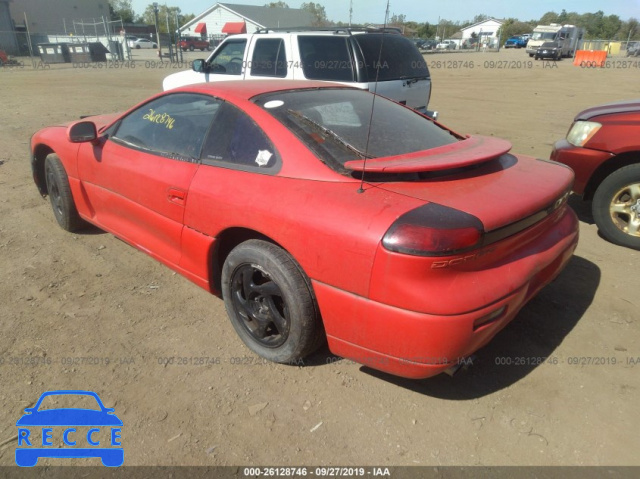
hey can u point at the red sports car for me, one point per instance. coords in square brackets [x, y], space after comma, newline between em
[603, 148]
[321, 212]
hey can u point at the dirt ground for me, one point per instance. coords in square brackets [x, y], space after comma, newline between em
[89, 295]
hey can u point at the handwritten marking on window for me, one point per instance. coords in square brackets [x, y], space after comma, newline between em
[160, 118]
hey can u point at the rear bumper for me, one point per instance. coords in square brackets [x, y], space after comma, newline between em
[583, 161]
[419, 345]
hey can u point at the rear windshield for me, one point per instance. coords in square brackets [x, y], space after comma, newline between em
[340, 125]
[396, 56]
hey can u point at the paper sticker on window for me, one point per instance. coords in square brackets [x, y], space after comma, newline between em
[263, 157]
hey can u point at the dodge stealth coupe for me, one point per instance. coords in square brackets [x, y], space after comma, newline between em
[321, 213]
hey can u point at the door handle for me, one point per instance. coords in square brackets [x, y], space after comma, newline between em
[177, 196]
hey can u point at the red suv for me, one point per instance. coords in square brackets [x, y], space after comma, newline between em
[603, 148]
[192, 43]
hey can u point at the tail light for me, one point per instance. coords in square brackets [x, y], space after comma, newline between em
[434, 230]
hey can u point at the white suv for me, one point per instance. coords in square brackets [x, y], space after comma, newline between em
[353, 57]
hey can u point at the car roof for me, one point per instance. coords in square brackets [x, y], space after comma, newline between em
[245, 90]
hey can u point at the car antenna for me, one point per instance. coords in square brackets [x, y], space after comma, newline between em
[373, 103]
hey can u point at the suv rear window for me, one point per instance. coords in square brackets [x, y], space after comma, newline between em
[334, 124]
[399, 58]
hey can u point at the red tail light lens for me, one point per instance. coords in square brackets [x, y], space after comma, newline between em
[434, 230]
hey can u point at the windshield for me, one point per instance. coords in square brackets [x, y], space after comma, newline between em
[543, 36]
[334, 124]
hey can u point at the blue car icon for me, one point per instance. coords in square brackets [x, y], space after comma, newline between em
[28, 451]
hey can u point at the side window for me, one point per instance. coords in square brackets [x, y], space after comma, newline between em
[228, 60]
[269, 58]
[234, 138]
[173, 125]
[326, 58]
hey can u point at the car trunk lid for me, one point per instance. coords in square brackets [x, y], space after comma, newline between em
[509, 190]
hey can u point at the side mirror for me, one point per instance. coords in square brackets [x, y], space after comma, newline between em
[199, 66]
[82, 132]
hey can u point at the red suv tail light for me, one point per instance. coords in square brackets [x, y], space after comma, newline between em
[434, 230]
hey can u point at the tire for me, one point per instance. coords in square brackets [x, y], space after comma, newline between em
[64, 208]
[191, 48]
[616, 207]
[270, 302]
[138, 47]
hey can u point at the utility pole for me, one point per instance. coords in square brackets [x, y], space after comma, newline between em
[169, 33]
[350, 11]
[155, 11]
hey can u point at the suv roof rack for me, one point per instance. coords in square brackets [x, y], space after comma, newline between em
[347, 30]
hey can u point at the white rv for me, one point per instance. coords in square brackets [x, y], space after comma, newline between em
[568, 38]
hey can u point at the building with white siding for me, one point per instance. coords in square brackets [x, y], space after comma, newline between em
[228, 18]
[485, 30]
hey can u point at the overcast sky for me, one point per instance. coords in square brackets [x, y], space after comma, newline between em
[373, 11]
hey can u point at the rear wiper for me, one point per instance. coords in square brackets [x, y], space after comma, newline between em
[331, 133]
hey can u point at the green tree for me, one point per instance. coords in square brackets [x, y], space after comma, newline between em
[319, 14]
[397, 20]
[479, 18]
[426, 30]
[562, 18]
[148, 17]
[630, 30]
[446, 28]
[277, 5]
[549, 17]
[513, 27]
[122, 9]
[186, 18]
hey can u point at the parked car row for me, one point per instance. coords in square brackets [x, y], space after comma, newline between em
[186, 43]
